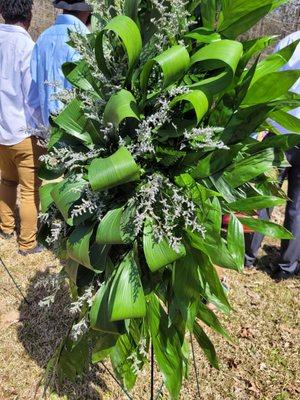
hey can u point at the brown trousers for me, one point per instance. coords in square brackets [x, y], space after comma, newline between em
[19, 164]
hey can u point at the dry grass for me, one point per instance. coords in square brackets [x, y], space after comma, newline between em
[262, 363]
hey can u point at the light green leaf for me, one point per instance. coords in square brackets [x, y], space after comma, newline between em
[128, 32]
[266, 228]
[120, 168]
[286, 120]
[126, 298]
[159, 255]
[236, 242]
[221, 57]
[79, 75]
[173, 62]
[120, 106]
[256, 203]
[45, 196]
[197, 99]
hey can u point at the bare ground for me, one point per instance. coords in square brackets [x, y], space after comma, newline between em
[261, 363]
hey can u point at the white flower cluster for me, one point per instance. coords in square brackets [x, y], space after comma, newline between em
[144, 137]
[58, 229]
[137, 357]
[87, 298]
[172, 22]
[79, 329]
[52, 284]
[90, 203]
[203, 138]
[66, 157]
[169, 209]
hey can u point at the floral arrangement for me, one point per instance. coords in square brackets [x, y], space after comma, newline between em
[151, 148]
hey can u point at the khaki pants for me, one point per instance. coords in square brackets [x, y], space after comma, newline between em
[19, 165]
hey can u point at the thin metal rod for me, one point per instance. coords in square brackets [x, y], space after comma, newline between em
[13, 280]
[195, 367]
[152, 373]
[116, 380]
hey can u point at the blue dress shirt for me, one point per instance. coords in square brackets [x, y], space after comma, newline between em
[49, 54]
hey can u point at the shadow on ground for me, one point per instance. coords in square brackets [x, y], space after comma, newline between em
[41, 330]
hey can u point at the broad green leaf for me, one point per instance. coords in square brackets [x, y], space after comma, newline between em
[240, 15]
[81, 249]
[221, 59]
[256, 203]
[120, 168]
[115, 227]
[121, 361]
[99, 313]
[126, 298]
[208, 13]
[75, 123]
[253, 47]
[203, 35]
[103, 346]
[65, 195]
[45, 196]
[286, 120]
[159, 255]
[79, 75]
[173, 63]
[236, 242]
[128, 32]
[270, 87]
[73, 359]
[251, 167]
[120, 106]
[131, 8]
[210, 319]
[197, 99]
[266, 228]
[167, 346]
[206, 345]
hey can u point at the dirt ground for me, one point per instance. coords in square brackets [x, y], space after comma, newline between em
[262, 363]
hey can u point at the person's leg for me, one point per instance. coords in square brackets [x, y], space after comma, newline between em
[253, 241]
[26, 156]
[290, 249]
[8, 191]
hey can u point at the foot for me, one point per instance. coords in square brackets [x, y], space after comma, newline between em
[4, 235]
[282, 275]
[36, 250]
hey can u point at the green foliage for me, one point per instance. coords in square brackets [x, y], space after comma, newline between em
[153, 148]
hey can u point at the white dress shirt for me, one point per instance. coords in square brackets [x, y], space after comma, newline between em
[293, 63]
[16, 116]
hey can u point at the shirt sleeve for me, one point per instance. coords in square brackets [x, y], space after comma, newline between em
[30, 88]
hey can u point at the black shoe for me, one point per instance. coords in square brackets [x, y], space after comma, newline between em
[4, 235]
[36, 250]
[282, 275]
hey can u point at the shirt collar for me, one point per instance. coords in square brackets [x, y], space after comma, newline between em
[68, 19]
[14, 29]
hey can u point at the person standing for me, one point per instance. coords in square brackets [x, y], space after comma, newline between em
[288, 265]
[52, 51]
[19, 150]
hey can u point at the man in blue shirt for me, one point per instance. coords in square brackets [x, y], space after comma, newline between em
[52, 51]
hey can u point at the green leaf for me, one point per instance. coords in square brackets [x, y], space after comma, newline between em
[266, 228]
[286, 120]
[75, 123]
[80, 248]
[120, 168]
[253, 47]
[126, 298]
[73, 360]
[45, 196]
[99, 313]
[65, 194]
[236, 242]
[103, 347]
[270, 87]
[173, 62]
[210, 319]
[197, 99]
[79, 75]
[128, 32]
[120, 106]
[208, 13]
[256, 203]
[167, 346]
[206, 345]
[159, 255]
[221, 59]
[203, 35]
[131, 9]
[251, 167]
[240, 15]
